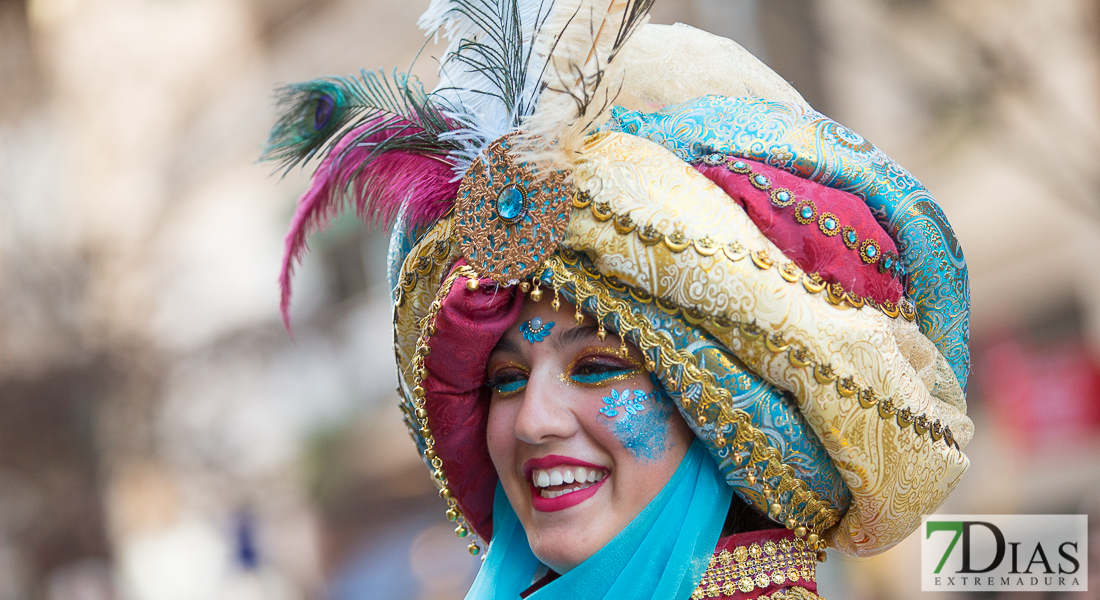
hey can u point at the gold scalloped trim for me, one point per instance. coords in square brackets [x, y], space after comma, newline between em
[800, 357]
[714, 405]
[678, 242]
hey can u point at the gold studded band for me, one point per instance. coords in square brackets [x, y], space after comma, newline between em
[835, 293]
[793, 593]
[757, 566]
[427, 330]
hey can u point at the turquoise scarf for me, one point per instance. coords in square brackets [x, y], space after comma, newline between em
[660, 555]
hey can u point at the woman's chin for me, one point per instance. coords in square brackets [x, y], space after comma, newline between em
[562, 551]
[565, 538]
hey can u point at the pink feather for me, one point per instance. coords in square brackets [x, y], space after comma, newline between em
[380, 188]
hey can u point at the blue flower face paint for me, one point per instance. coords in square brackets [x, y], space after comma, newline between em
[639, 421]
[535, 330]
[632, 404]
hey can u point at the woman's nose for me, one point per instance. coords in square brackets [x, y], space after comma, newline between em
[546, 411]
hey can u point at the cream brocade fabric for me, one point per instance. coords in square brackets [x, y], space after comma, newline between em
[894, 474]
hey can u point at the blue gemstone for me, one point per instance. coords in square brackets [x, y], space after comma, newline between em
[783, 196]
[807, 212]
[889, 264]
[739, 165]
[852, 237]
[761, 179]
[536, 324]
[510, 204]
[871, 251]
[830, 224]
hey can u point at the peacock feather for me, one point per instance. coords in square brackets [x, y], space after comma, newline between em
[387, 147]
[315, 115]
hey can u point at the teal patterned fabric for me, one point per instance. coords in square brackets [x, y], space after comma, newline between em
[810, 145]
[403, 239]
[771, 410]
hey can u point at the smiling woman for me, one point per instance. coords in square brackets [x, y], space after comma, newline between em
[669, 333]
[577, 459]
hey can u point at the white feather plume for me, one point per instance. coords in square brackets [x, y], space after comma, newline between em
[581, 79]
[543, 66]
[489, 76]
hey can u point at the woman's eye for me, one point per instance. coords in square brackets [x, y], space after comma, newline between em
[508, 382]
[600, 373]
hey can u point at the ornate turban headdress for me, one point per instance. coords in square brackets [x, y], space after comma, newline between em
[798, 294]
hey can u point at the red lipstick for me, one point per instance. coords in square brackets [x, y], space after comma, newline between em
[563, 501]
[554, 460]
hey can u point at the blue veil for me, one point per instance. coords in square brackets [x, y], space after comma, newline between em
[661, 554]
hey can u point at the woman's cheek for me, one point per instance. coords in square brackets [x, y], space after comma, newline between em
[638, 421]
[499, 435]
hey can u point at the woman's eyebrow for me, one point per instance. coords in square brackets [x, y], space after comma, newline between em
[574, 335]
[506, 345]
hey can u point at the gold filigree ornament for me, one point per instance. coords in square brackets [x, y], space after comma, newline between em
[508, 218]
[758, 567]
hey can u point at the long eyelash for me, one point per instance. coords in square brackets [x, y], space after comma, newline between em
[502, 391]
[603, 351]
[496, 383]
[599, 380]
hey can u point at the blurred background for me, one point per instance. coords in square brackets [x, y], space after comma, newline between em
[163, 438]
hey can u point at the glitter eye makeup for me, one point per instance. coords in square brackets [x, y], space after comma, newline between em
[600, 366]
[509, 379]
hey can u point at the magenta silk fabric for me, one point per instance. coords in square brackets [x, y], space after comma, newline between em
[468, 326]
[806, 244]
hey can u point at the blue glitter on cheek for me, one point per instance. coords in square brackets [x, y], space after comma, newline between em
[643, 427]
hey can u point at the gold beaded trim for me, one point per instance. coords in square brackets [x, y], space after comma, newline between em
[734, 251]
[799, 356]
[427, 329]
[757, 566]
[714, 405]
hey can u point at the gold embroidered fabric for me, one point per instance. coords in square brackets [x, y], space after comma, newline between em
[794, 593]
[756, 566]
[804, 511]
[896, 465]
[733, 281]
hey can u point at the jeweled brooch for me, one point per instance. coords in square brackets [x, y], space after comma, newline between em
[535, 330]
[508, 218]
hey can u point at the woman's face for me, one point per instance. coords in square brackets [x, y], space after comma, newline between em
[579, 439]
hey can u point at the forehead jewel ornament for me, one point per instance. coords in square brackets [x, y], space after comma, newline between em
[535, 330]
[509, 218]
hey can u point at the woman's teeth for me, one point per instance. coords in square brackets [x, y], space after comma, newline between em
[543, 478]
